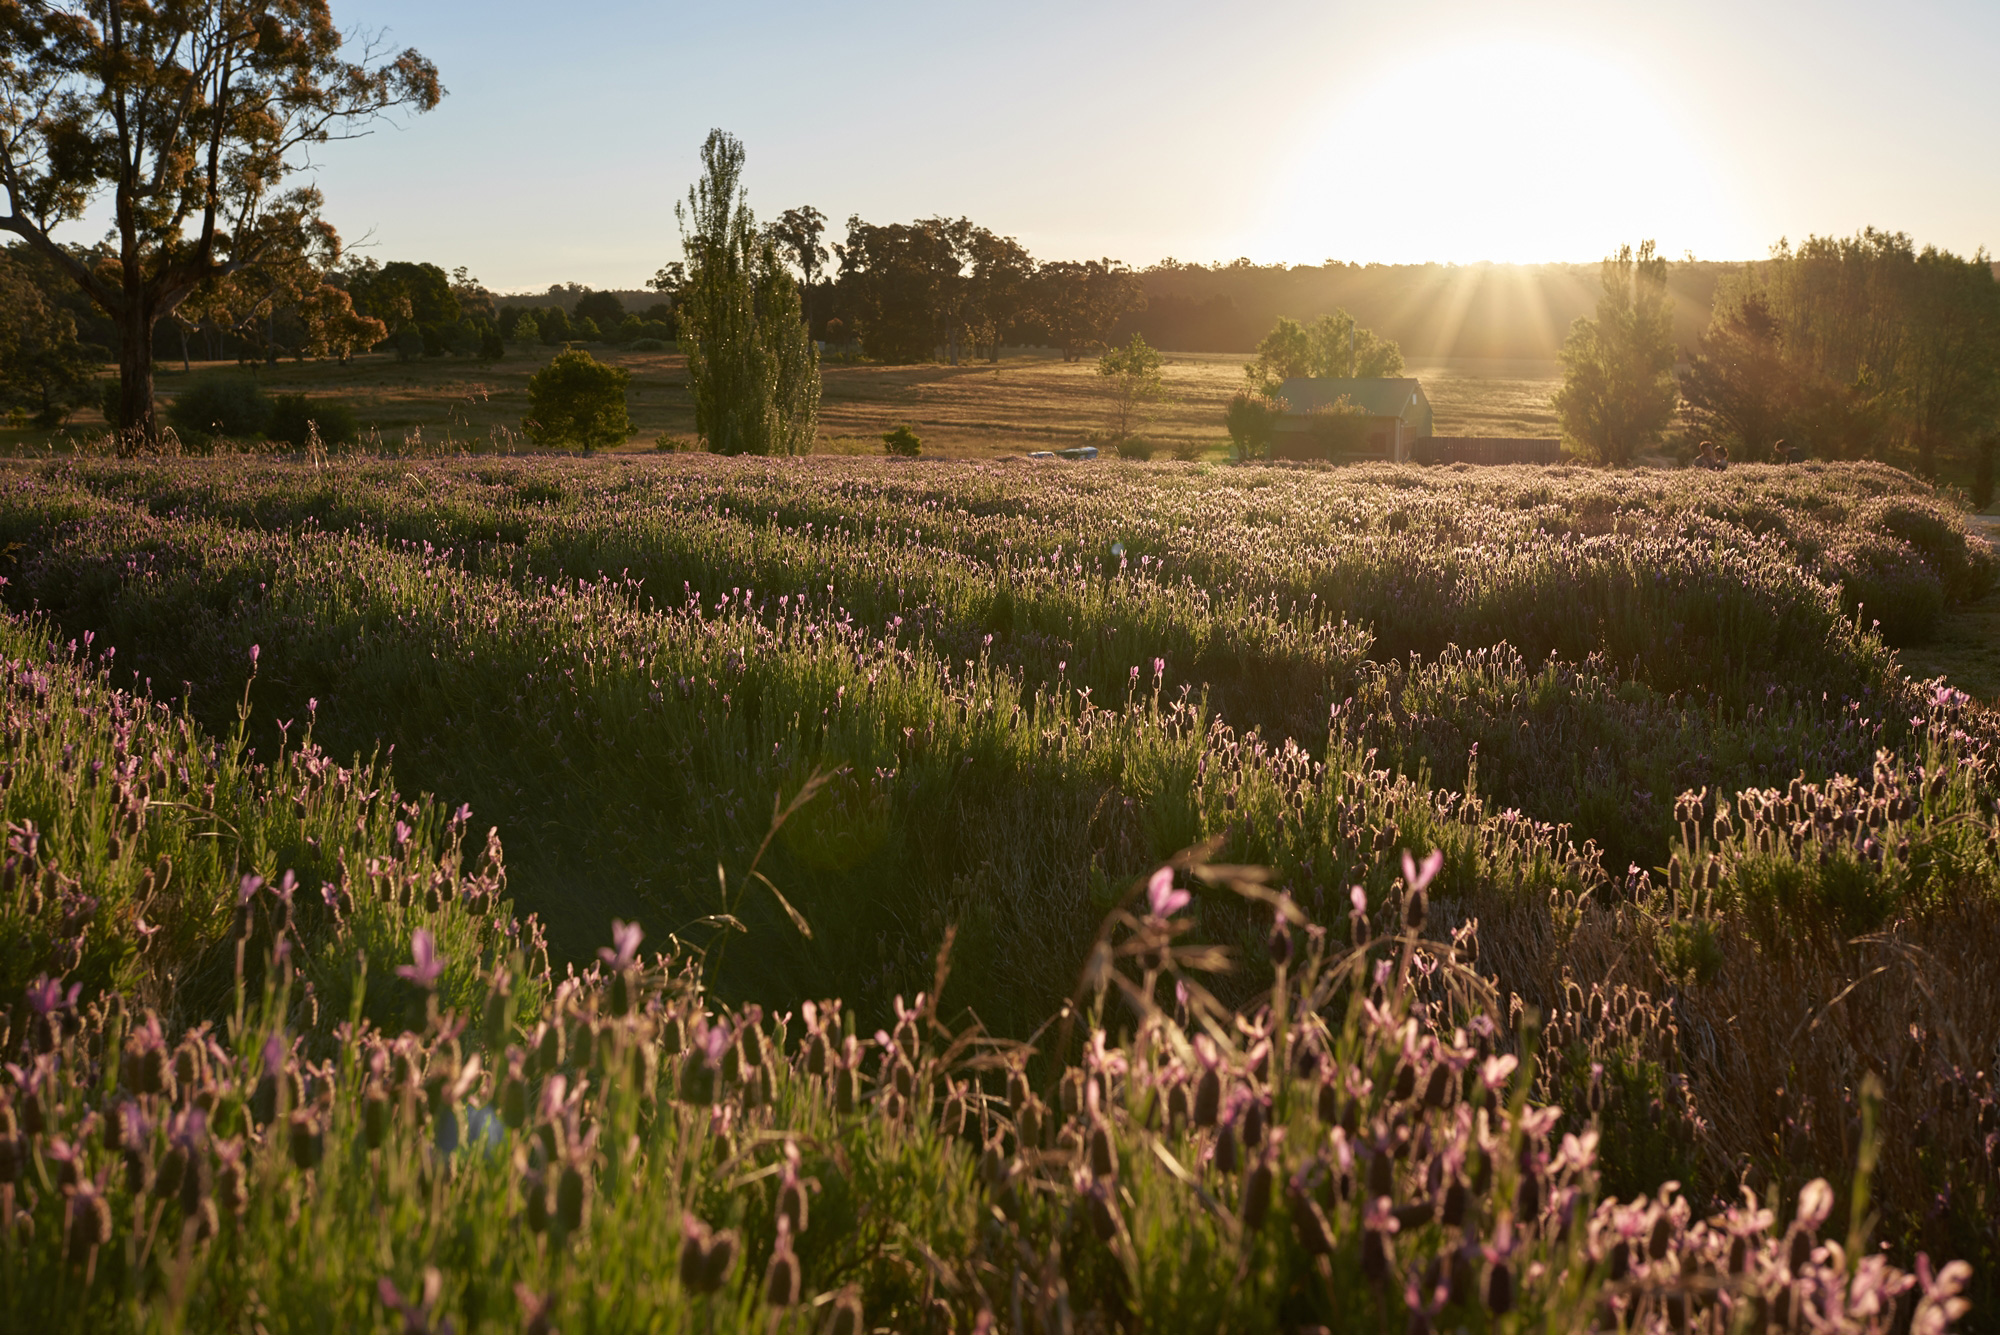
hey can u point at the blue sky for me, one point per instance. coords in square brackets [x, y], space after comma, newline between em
[1436, 129]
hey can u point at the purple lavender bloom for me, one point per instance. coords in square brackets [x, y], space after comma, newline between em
[428, 963]
[1161, 898]
[626, 936]
[47, 995]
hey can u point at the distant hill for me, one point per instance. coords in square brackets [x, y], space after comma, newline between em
[1509, 311]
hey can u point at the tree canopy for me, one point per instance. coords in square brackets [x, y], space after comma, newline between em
[1618, 391]
[578, 401]
[1132, 374]
[44, 368]
[192, 117]
[1332, 347]
[1078, 303]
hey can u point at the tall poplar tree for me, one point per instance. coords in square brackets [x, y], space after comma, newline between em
[751, 361]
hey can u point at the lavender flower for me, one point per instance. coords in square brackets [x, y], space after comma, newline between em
[428, 963]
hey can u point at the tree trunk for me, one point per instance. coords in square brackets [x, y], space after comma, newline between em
[137, 424]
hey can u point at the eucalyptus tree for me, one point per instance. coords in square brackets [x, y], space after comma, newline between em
[190, 118]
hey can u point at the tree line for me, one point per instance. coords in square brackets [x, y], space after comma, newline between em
[1861, 347]
[943, 289]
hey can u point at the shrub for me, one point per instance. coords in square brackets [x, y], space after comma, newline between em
[588, 332]
[677, 445]
[1338, 428]
[1187, 451]
[903, 443]
[492, 347]
[1964, 563]
[409, 343]
[1134, 447]
[219, 403]
[649, 345]
[1251, 419]
[577, 400]
[294, 416]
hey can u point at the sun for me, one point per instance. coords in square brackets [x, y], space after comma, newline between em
[1505, 150]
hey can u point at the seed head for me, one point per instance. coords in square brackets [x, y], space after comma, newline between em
[1663, 1233]
[307, 1140]
[1280, 944]
[845, 1319]
[89, 1222]
[173, 1166]
[1309, 1221]
[1032, 1123]
[781, 1277]
[1257, 1195]
[793, 1205]
[569, 1198]
[1225, 1148]
[1207, 1099]
[1103, 1152]
[1103, 1215]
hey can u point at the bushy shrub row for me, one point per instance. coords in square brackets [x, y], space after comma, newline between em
[1365, 1145]
[627, 731]
[233, 406]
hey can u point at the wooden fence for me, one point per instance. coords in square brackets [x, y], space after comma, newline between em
[1487, 450]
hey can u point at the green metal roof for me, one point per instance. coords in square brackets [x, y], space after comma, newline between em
[1376, 397]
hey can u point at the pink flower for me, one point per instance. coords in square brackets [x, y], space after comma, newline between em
[1815, 1203]
[1161, 898]
[1493, 1072]
[428, 964]
[711, 1041]
[1419, 877]
[626, 936]
[47, 994]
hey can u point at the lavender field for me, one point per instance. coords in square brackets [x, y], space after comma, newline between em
[1258, 898]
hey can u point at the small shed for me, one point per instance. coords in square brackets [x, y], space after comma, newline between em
[1399, 416]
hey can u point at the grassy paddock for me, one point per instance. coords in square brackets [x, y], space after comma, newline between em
[1030, 400]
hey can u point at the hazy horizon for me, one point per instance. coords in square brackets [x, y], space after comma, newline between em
[1440, 132]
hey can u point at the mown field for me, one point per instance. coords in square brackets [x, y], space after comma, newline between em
[1030, 400]
[1549, 856]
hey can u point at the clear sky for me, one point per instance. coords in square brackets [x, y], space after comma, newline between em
[1425, 130]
